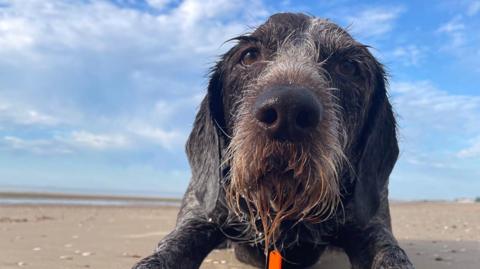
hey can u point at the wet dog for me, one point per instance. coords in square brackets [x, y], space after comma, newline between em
[291, 150]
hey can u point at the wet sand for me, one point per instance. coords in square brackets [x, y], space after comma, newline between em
[435, 235]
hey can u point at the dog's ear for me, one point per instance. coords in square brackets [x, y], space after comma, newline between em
[206, 144]
[378, 149]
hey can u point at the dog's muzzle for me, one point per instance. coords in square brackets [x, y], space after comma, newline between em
[287, 112]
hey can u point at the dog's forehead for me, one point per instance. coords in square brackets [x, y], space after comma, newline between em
[286, 22]
[282, 26]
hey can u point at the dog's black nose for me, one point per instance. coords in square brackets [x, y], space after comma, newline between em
[287, 113]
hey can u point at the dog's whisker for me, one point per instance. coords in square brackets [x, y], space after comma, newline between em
[221, 129]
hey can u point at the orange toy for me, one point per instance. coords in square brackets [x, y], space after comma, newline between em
[274, 260]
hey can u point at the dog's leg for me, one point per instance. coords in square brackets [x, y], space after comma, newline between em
[252, 255]
[374, 248]
[185, 247]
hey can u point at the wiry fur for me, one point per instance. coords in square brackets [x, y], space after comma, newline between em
[326, 188]
[274, 181]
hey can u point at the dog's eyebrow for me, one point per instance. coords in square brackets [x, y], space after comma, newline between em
[352, 50]
[246, 38]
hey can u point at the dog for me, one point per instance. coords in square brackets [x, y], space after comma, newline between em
[291, 150]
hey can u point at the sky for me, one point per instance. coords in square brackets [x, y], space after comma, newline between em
[100, 96]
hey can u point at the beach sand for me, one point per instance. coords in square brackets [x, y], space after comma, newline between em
[435, 235]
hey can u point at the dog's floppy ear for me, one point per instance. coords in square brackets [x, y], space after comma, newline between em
[206, 143]
[378, 149]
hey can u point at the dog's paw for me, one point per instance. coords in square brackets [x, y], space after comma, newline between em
[148, 266]
[151, 262]
[392, 258]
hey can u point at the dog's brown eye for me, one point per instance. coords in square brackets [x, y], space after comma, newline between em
[347, 68]
[250, 56]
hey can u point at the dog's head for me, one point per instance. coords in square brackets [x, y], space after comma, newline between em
[289, 109]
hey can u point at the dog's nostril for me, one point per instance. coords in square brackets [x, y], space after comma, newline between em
[306, 119]
[268, 116]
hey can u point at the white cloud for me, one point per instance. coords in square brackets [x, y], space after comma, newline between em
[374, 22]
[454, 29]
[434, 124]
[15, 34]
[85, 141]
[422, 101]
[461, 39]
[67, 143]
[409, 55]
[37, 146]
[19, 114]
[473, 8]
[168, 139]
[55, 26]
[165, 111]
[453, 25]
[99, 141]
[95, 68]
[472, 151]
[438, 132]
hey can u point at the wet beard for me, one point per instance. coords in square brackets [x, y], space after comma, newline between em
[278, 183]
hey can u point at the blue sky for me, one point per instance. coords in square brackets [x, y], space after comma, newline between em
[99, 96]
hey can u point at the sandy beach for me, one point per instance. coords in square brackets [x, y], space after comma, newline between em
[435, 235]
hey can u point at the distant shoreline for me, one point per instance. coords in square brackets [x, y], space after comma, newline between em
[53, 198]
[82, 199]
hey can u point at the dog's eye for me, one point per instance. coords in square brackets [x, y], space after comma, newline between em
[250, 56]
[347, 68]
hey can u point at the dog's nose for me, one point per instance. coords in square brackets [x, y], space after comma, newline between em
[287, 113]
